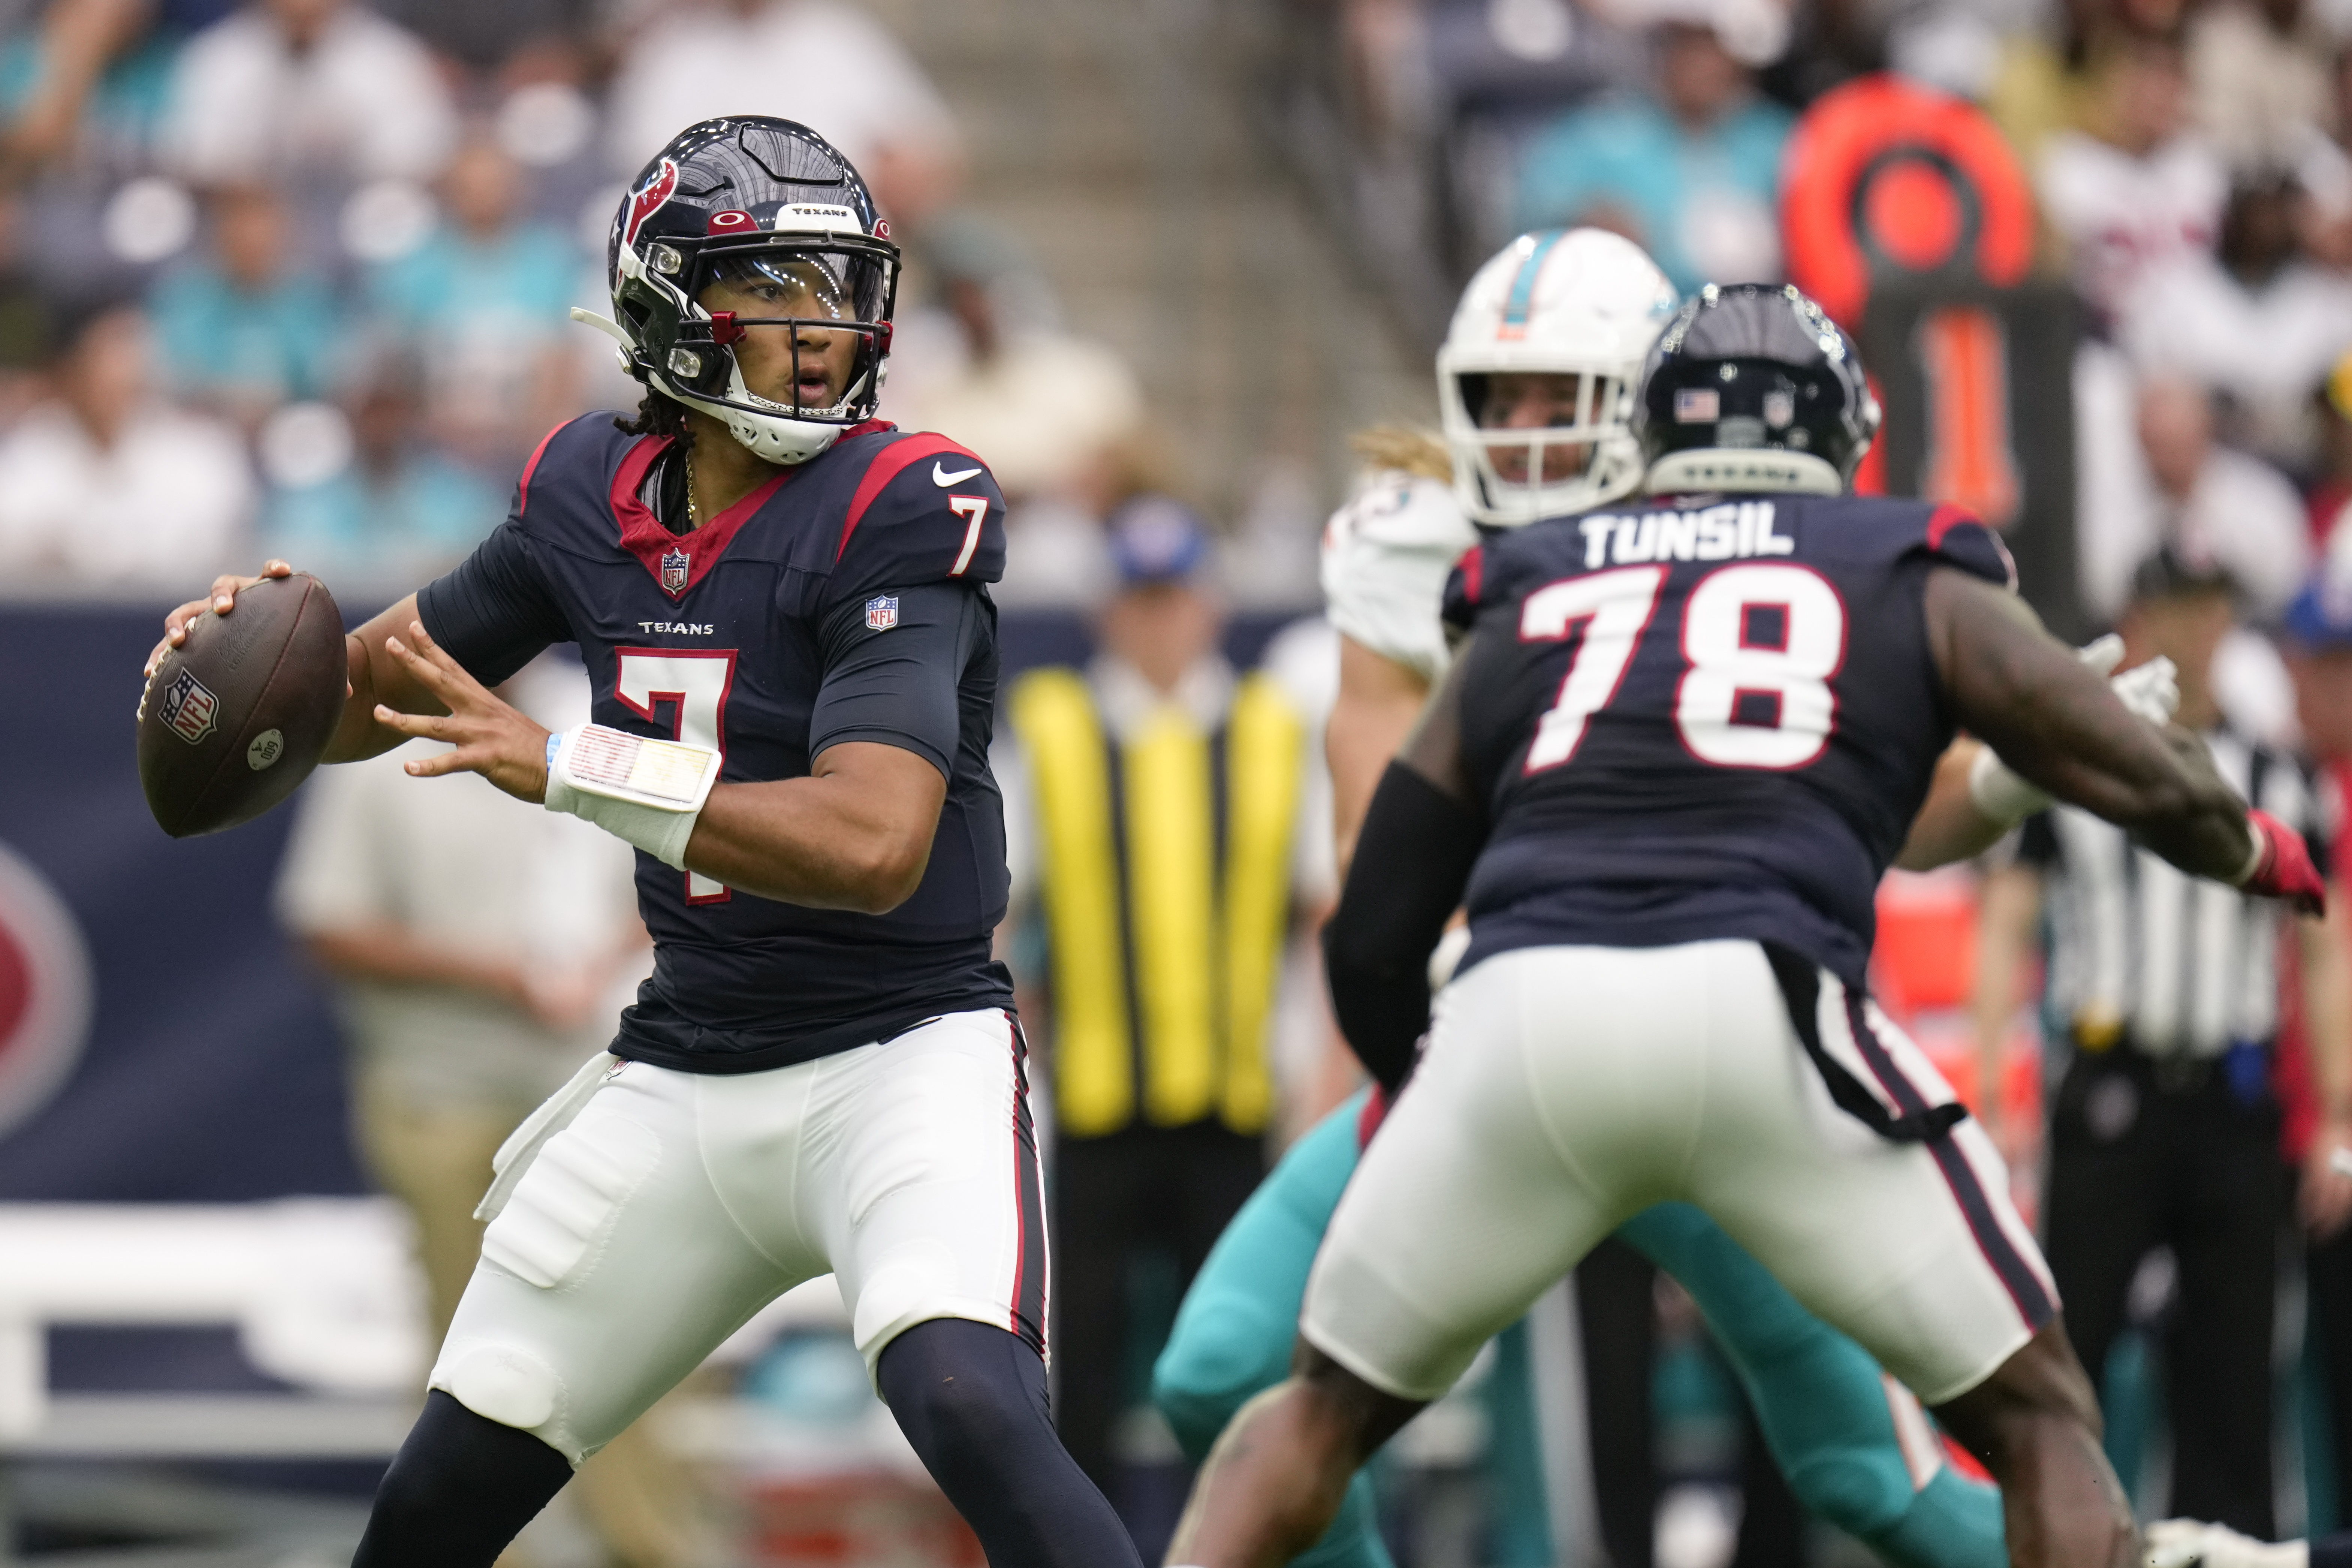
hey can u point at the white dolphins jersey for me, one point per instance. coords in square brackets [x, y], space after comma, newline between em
[1385, 557]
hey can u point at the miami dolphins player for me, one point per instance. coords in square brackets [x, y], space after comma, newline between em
[1535, 383]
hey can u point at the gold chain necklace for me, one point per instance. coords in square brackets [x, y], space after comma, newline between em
[693, 507]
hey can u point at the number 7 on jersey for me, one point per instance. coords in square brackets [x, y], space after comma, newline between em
[697, 681]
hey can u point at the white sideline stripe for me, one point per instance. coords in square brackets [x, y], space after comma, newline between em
[216, 1425]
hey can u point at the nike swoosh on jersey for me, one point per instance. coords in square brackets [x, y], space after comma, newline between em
[941, 477]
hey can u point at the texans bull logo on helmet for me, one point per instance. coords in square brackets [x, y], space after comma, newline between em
[647, 199]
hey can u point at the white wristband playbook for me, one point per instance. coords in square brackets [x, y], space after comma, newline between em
[648, 792]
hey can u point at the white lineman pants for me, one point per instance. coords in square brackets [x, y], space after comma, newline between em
[675, 1204]
[1566, 1088]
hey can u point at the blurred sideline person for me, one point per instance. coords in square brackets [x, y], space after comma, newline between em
[477, 961]
[1663, 993]
[1527, 388]
[1156, 796]
[2165, 1129]
[780, 601]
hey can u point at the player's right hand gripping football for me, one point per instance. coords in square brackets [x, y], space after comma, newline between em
[220, 602]
[2280, 866]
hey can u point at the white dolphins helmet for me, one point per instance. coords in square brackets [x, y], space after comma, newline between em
[1582, 302]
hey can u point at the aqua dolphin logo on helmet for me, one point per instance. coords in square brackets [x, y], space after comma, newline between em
[770, 206]
[1581, 305]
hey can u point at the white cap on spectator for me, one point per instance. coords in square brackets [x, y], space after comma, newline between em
[1753, 32]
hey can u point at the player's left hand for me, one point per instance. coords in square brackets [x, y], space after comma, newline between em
[491, 738]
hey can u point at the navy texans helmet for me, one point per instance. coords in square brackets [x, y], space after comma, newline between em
[1753, 387]
[768, 204]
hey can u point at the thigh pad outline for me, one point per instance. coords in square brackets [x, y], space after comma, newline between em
[567, 1198]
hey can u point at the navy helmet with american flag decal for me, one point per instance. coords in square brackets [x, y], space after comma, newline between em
[1753, 387]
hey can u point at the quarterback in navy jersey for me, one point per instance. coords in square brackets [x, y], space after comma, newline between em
[1665, 772]
[781, 604]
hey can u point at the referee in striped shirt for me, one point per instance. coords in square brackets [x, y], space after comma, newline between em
[2164, 1129]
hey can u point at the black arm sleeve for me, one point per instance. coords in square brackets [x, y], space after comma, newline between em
[897, 684]
[495, 610]
[1412, 860]
[2037, 842]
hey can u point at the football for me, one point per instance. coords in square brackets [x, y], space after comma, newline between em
[238, 714]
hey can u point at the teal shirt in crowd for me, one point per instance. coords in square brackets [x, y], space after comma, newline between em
[1631, 154]
[421, 518]
[452, 287]
[274, 344]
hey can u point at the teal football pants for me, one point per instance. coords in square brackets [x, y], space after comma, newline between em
[1817, 1394]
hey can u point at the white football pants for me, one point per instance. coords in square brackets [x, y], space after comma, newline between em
[1566, 1088]
[677, 1205]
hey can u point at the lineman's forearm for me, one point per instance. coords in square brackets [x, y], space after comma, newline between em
[2198, 824]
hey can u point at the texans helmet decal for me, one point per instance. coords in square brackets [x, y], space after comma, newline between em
[647, 199]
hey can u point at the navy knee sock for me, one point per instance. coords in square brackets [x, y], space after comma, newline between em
[971, 1399]
[461, 1487]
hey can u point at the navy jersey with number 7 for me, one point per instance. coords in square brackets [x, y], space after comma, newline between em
[1704, 717]
[843, 600]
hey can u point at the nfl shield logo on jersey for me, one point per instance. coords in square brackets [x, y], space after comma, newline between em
[190, 708]
[881, 613]
[673, 566]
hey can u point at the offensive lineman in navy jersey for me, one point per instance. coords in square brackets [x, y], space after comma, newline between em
[780, 604]
[1665, 776]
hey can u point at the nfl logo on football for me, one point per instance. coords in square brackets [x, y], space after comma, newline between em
[673, 566]
[190, 708]
[881, 613]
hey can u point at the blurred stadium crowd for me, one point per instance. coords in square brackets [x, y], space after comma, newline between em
[2187, 161]
[290, 277]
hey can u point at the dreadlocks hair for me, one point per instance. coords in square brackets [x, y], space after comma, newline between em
[659, 414]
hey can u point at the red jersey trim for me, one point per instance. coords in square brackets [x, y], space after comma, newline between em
[887, 465]
[522, 486]
[1947, 517]
[1474, 573]
[1944, 519]
[643, 535]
